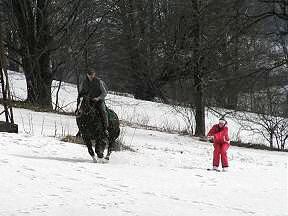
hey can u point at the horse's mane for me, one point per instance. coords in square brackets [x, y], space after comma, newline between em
[89, 107]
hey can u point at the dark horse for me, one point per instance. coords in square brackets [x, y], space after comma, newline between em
[90, 124]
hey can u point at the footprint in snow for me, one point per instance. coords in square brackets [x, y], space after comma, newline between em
[174, 198]
[124, 186]
[28, 168]
[3, 161]
[149, 193]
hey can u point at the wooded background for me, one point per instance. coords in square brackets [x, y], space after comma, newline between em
[197, 53]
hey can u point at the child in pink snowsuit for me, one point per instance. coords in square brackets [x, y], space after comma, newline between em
[219, 134]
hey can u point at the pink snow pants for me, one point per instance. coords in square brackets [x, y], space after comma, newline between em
[220, 150]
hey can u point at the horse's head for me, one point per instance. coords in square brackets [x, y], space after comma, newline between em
[89, 119]
[89, 108]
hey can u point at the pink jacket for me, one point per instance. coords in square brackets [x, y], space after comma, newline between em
[220, 134]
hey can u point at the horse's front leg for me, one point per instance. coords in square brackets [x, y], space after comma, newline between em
[88, 143]
[100, 147]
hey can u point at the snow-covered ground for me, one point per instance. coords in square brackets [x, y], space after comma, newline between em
[166, 175]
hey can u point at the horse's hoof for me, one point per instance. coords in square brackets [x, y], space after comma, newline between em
[94, 159]
[102, 160]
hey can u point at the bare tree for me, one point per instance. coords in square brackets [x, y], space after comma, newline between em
[266, 119]
[39, 27]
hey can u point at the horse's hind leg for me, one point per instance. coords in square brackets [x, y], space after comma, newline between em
[110, 149]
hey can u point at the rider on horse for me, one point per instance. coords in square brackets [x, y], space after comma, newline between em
[94, 88]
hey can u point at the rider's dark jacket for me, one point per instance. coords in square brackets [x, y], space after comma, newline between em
[93, 88]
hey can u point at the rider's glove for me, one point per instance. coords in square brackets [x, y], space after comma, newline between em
[77, 112]
[210, 138]
[96, 99]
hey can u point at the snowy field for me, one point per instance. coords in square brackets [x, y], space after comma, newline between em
[165, 176]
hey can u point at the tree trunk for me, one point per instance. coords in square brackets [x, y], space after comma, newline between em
[39, 81]
[271, 140]
[197, 71]
[12, 55]
[34, 38]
